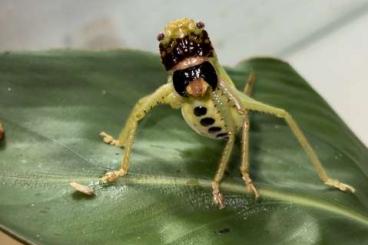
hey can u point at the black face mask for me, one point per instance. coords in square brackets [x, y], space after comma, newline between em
[182, 78]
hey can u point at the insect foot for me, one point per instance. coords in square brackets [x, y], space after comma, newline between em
[218, 198]
[108, 139]
[113, 176]
[339, 185]
[250, 187]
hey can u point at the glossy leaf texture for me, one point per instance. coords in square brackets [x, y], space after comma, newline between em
[53, 105]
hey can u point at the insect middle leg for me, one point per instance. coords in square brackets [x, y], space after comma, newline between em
[225, 157]
[244, 167]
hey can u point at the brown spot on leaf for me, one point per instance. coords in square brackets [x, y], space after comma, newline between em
[2, 131]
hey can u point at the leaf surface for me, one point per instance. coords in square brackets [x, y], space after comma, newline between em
[53, 105]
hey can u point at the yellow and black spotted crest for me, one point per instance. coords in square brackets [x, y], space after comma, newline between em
[181, 39]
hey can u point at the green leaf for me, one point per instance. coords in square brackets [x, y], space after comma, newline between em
[54, 104]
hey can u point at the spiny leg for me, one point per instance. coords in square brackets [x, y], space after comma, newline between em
[281, 113]
[163, 95]
[244, 167]
[137, 113]
[126, 142]
[111, 176]
[127, 135]
[124, 164]
[217, 195]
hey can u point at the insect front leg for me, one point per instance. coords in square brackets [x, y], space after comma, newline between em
[217, 195]
[294, 127]
[161, 96]
[131, 127]
[137, 114]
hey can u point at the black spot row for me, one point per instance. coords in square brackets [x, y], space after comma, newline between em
[208, 121]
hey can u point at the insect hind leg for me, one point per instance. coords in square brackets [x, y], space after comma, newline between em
[251, 80]
[254, 105]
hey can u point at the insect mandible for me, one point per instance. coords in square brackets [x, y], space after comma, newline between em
[210, 104]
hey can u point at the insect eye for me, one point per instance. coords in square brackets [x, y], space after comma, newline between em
[182, 78]
[200, 24]
[209, 74]
[160, 36]
[181, 81]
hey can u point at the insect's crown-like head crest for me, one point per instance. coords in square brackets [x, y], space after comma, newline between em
[183, 38]
[178, 29]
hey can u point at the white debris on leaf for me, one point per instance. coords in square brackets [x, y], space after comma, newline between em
[82, 188]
